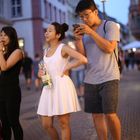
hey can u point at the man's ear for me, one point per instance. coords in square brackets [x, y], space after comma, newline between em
[96, 12]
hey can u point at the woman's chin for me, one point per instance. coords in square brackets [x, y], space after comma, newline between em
[47, 40]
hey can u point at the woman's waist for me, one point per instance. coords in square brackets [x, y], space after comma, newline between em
[59, 77]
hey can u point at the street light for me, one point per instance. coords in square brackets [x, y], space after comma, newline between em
[103, 2]
[21, 43]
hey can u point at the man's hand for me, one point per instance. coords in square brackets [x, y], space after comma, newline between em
[85, 29]
[77, 33]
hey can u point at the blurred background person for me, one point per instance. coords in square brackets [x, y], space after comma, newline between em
[77, 75]
[126, 60]
[131, 56]
[27, 67]
[137, 59]
[35, 71]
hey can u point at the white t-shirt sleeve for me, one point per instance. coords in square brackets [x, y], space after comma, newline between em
[112, 31]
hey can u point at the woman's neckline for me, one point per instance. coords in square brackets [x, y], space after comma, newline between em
[48, 48]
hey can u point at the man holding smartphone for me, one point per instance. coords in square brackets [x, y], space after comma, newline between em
[102, 74]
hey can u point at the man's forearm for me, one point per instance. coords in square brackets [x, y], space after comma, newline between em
[102, 43]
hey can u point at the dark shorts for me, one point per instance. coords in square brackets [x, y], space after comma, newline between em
[102, 98]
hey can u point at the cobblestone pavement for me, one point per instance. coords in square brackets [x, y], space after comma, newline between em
[129, 105]
[81, 123]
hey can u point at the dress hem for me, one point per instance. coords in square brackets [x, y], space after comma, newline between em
[57, 114]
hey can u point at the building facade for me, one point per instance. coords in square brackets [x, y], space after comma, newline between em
[134, 18]
[30, 18]
[4, 16]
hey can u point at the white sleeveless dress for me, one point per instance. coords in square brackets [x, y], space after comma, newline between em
[62, 97]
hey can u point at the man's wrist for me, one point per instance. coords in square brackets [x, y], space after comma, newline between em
[78, 40]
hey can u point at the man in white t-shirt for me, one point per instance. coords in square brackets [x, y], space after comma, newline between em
[102, 73]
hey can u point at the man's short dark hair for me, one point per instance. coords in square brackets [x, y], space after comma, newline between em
[84, 5]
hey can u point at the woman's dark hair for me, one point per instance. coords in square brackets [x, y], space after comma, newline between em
[60, 29]
[13, 44]
[84, 5]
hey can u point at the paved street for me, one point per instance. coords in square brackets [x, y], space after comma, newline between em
[81, 123]
[129, 105]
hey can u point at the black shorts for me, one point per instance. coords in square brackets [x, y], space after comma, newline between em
[102, 98]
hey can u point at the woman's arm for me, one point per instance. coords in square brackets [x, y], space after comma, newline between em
[11, 61]
[78, 58]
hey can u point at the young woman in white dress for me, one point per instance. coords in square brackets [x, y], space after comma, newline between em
[61, 98]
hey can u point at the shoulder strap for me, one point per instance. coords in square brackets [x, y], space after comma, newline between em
[105, 33]
[104, 26]
[116, 56]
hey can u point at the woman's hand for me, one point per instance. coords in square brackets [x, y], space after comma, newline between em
[1, 46]
[40, 73]
[65, 71]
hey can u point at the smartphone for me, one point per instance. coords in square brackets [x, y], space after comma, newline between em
[75, 26]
